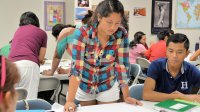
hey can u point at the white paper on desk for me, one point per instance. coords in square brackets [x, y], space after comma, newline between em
[196, 109]
[114, 107]
[57, 107]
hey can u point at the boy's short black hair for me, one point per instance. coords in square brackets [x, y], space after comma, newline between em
[179, 38]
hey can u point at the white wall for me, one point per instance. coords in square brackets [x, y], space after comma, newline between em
[144, 24]
[10, 12]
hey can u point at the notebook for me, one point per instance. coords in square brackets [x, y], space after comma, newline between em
[175, 106]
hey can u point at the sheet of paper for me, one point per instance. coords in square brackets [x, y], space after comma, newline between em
[178, 106]
[196, 109]
[114, 107]
[57, 107]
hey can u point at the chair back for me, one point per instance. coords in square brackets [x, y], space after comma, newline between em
[22, 93]
[198, 91]
[49, 83]
[134, 72]
[144, 63]
[136, 91]
[39, 104]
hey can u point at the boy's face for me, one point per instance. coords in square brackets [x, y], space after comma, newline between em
[176, 54]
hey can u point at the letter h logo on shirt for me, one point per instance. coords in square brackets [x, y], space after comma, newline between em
[184, 85]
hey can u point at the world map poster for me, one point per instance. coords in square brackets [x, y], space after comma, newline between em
[188, 14]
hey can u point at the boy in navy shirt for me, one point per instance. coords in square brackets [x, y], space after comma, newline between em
[172, 77]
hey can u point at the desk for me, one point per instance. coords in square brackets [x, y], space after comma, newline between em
[119, 107]
[115, 107]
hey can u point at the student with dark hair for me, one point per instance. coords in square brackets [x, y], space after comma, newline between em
[29, 18]
[158, 50]
[8, 78]
[64, 36]
[171, 32]
[136, 47]
[58, 28]
[87, 17]
[28, 49]
[100, 59]
[172, 77]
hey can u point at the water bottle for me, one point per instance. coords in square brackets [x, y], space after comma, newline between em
[196, 46]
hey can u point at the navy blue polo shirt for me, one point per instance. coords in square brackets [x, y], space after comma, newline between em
[188, 77]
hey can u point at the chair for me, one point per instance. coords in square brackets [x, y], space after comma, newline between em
[33, 104]
[48, 83]
[144, 64]
[22, 92]
[198, 91]
[136, 91]
[134, 72]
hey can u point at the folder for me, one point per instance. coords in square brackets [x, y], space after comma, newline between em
[174, 106]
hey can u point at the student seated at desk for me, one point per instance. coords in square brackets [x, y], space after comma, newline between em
[9, 76]
[195, 56]
[136, 47]
[172, 77]
[158, 50]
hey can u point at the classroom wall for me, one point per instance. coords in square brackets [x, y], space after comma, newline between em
[10, 12]
[144, 23]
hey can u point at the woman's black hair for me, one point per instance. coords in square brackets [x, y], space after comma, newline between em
[136, 40]
[58, 28]
[125, 23]
[105, 8]
[162, 34]
[29, 18]
[87, 17]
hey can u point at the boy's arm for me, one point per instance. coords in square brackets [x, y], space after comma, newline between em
[150, 94]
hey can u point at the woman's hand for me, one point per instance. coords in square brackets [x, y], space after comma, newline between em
[70, 107]
[47, 72]
[63, 71]
[132, 101]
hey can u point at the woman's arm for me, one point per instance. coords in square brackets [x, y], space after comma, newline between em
[73, 86]
[195, 55]
[42, 55]
[77, 68]
[122, 66]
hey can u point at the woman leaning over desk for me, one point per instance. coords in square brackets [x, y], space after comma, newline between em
[100, 59]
